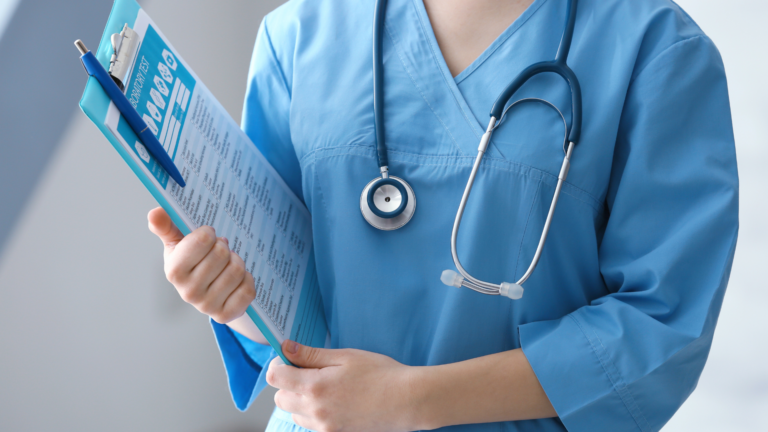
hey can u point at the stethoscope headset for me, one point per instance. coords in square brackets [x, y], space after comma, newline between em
[388, 202]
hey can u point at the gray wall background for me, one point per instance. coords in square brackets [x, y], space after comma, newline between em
[94, 338]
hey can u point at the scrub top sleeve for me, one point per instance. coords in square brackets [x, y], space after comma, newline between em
[245, 363]
[629, 359]
[266, 122]
[267, 109]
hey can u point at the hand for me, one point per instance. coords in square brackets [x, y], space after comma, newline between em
[342, 390]
[204, 271]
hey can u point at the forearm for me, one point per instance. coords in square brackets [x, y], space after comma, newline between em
[245, 326]
[494, 388]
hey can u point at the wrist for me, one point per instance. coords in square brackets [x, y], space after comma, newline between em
[246, 327]
[420, 398]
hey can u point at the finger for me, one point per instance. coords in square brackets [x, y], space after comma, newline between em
[291, 402]
[284, 377]
[306, 422]
[310, 357]
[237, 302]
[232, 275]
[213, 264]
[162, 226]
[228, 280]
[192, 249]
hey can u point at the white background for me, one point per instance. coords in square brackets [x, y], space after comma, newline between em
[733, 390]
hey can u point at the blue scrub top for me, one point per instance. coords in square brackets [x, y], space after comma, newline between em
[618, 318]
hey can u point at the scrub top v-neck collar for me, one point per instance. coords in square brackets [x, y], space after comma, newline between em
[409, 28]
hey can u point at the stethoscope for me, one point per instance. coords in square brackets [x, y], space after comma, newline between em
[388, 202]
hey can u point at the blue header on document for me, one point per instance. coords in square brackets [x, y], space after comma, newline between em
[160, 89]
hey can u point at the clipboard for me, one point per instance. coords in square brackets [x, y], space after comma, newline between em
[288, 304]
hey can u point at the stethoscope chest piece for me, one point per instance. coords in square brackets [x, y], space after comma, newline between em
[387, 203]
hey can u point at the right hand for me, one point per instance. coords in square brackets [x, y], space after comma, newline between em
[204, 271]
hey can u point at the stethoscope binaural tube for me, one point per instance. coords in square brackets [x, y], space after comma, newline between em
[387, 202]
[514, 291]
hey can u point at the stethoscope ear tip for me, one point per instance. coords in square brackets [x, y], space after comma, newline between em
[451, 278]
[511, 290]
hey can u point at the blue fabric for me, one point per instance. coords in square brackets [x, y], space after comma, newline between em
[618, 318]
[244, 361]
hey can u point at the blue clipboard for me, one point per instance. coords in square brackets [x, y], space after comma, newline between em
[95, 103]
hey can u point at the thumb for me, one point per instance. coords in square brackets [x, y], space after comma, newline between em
[162, 226]
[310, 357]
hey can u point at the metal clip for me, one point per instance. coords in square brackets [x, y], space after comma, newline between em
[124, 47]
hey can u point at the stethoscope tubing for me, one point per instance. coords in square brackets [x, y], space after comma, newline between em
[559, 66]
[378, 83]
[500, 107]
[468, 280]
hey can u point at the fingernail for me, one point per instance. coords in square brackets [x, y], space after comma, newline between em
[226, 240]
[292, 347]
[278, 361]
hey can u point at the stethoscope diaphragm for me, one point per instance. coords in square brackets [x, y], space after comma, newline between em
[387, 203]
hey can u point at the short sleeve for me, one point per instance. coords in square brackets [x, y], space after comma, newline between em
[266, 116]
[630, 359]
[267, 110]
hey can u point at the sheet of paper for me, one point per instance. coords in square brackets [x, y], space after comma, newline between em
[230, 186]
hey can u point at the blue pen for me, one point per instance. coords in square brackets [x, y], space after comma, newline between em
[96, 70]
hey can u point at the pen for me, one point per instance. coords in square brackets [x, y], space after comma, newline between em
[96, 70]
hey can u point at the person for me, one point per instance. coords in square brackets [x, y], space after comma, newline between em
[617, 320]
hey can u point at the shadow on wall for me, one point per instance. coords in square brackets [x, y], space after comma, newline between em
[40, 87]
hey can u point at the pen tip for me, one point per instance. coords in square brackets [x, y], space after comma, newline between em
[81, 47]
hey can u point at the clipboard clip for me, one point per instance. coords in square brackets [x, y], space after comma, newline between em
[110, 85]
[124, 49]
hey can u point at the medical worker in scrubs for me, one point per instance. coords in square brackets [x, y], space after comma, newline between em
[617, 320]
